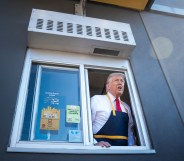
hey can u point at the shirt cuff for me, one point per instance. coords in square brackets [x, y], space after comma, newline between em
[94, 141]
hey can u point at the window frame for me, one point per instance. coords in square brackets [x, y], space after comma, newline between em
[37, 93]
[134, 100]
[85, 62]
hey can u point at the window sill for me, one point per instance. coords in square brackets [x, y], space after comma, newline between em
[85, 150]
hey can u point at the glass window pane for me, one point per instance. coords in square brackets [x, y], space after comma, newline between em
[58, 88]
[57, 109]
[29, 104]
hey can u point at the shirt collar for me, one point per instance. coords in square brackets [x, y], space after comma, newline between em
[112, 97]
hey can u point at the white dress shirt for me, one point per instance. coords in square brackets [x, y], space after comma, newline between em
[101, 110]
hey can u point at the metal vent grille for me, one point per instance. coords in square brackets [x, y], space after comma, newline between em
[79, 29]
[60, 26]
[69, 27]
[116, 35]
[107, 33]
[49, 25]
[98, 32]
[125, 36]
[106, 52]
[79, 34]
[39, 24]
[89, 30]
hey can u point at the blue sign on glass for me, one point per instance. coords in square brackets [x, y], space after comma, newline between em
[58, 88]
[75, 136]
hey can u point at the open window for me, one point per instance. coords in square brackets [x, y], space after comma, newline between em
[97, 86]
[53, 107]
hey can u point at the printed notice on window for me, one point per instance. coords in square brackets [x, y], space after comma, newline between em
[75, 136]
[50, 118]
[50, 111]
[72, 114]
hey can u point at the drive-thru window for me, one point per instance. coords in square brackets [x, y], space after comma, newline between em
[53, 109]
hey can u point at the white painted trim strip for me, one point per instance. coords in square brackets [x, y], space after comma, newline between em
[81, 151]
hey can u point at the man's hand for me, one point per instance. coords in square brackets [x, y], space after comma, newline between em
[103, 144]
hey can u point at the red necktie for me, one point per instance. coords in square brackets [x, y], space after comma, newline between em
[118, 107]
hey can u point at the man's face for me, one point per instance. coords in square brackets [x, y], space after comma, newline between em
[116, 86]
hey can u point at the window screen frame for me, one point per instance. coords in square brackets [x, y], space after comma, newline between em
[85, 62]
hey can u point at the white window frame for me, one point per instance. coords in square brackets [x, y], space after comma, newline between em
[84, 62]
[35, 108]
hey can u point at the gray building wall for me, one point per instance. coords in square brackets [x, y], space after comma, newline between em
[167, 37]
[160, 110]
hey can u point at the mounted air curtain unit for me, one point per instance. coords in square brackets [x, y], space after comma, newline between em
[78, 34]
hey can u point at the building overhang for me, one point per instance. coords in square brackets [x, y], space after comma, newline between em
[132, 4]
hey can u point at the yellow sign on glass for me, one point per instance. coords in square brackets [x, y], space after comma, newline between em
[50, 118]
[72, 114]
